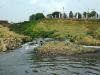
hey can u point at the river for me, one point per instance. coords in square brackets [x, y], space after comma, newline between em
[23, 61]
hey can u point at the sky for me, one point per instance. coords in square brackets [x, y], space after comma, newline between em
[20, 10]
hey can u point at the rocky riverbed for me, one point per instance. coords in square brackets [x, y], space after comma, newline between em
[23, 61]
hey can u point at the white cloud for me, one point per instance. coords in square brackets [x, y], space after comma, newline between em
[3, 2]
[50, 5]
[33, 1]
[24, 8]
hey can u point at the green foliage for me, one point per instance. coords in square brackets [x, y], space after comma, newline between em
[36, 16]
[96, 33]
[79, 15]
[74, 38]
[71, 14]
[32, 17]
[26, 28]
[74, 30]
[85, 14]
[90, 14]
[23, 27]
[45, 34]
[93, 13]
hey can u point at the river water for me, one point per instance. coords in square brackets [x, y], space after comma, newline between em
[23, 61]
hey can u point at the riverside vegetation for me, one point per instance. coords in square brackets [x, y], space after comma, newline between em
[84, 32]
[10, 40]
[54, 48]
[77, 32]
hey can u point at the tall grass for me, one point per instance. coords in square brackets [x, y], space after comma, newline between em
[75, 30]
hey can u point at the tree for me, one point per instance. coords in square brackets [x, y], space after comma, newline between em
[79, 15]
[39, 16]
[85, 14]
[93, 13]
[64, 15]
[75, 15]
[36, 16]
[32, 17]
[88, 15]
[71, 14]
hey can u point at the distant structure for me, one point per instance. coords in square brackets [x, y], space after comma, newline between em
[4, 23]
[55, 14]
[90, 14]
[49, 16]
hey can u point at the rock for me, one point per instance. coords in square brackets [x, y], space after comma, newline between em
[35, 71]
[26, 72]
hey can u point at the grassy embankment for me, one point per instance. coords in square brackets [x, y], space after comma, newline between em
[79, 32]
[10, 40]
[85, 32]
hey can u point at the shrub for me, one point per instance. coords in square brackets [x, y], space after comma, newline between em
[89, 40]
[36, 16]
[61, 48]
[10, 40]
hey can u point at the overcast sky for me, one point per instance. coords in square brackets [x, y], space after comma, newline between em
[20, 10]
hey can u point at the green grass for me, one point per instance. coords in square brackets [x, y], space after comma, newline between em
[23, 27]
[75, 30]
[62, 29]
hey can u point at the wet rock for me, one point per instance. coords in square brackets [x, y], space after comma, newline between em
[35, 71]
[26, 71]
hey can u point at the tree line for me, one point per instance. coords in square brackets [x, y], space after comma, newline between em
[71, 15]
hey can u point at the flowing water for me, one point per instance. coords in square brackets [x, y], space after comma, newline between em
[23, 61]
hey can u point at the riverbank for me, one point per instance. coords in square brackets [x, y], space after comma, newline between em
[10, 40]
[84, 32]
[22, 61]
[56, 48]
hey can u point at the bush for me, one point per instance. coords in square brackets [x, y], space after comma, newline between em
[96, 33]
[61, 48]
[11, 40]
[89, 40]
[36, 16]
